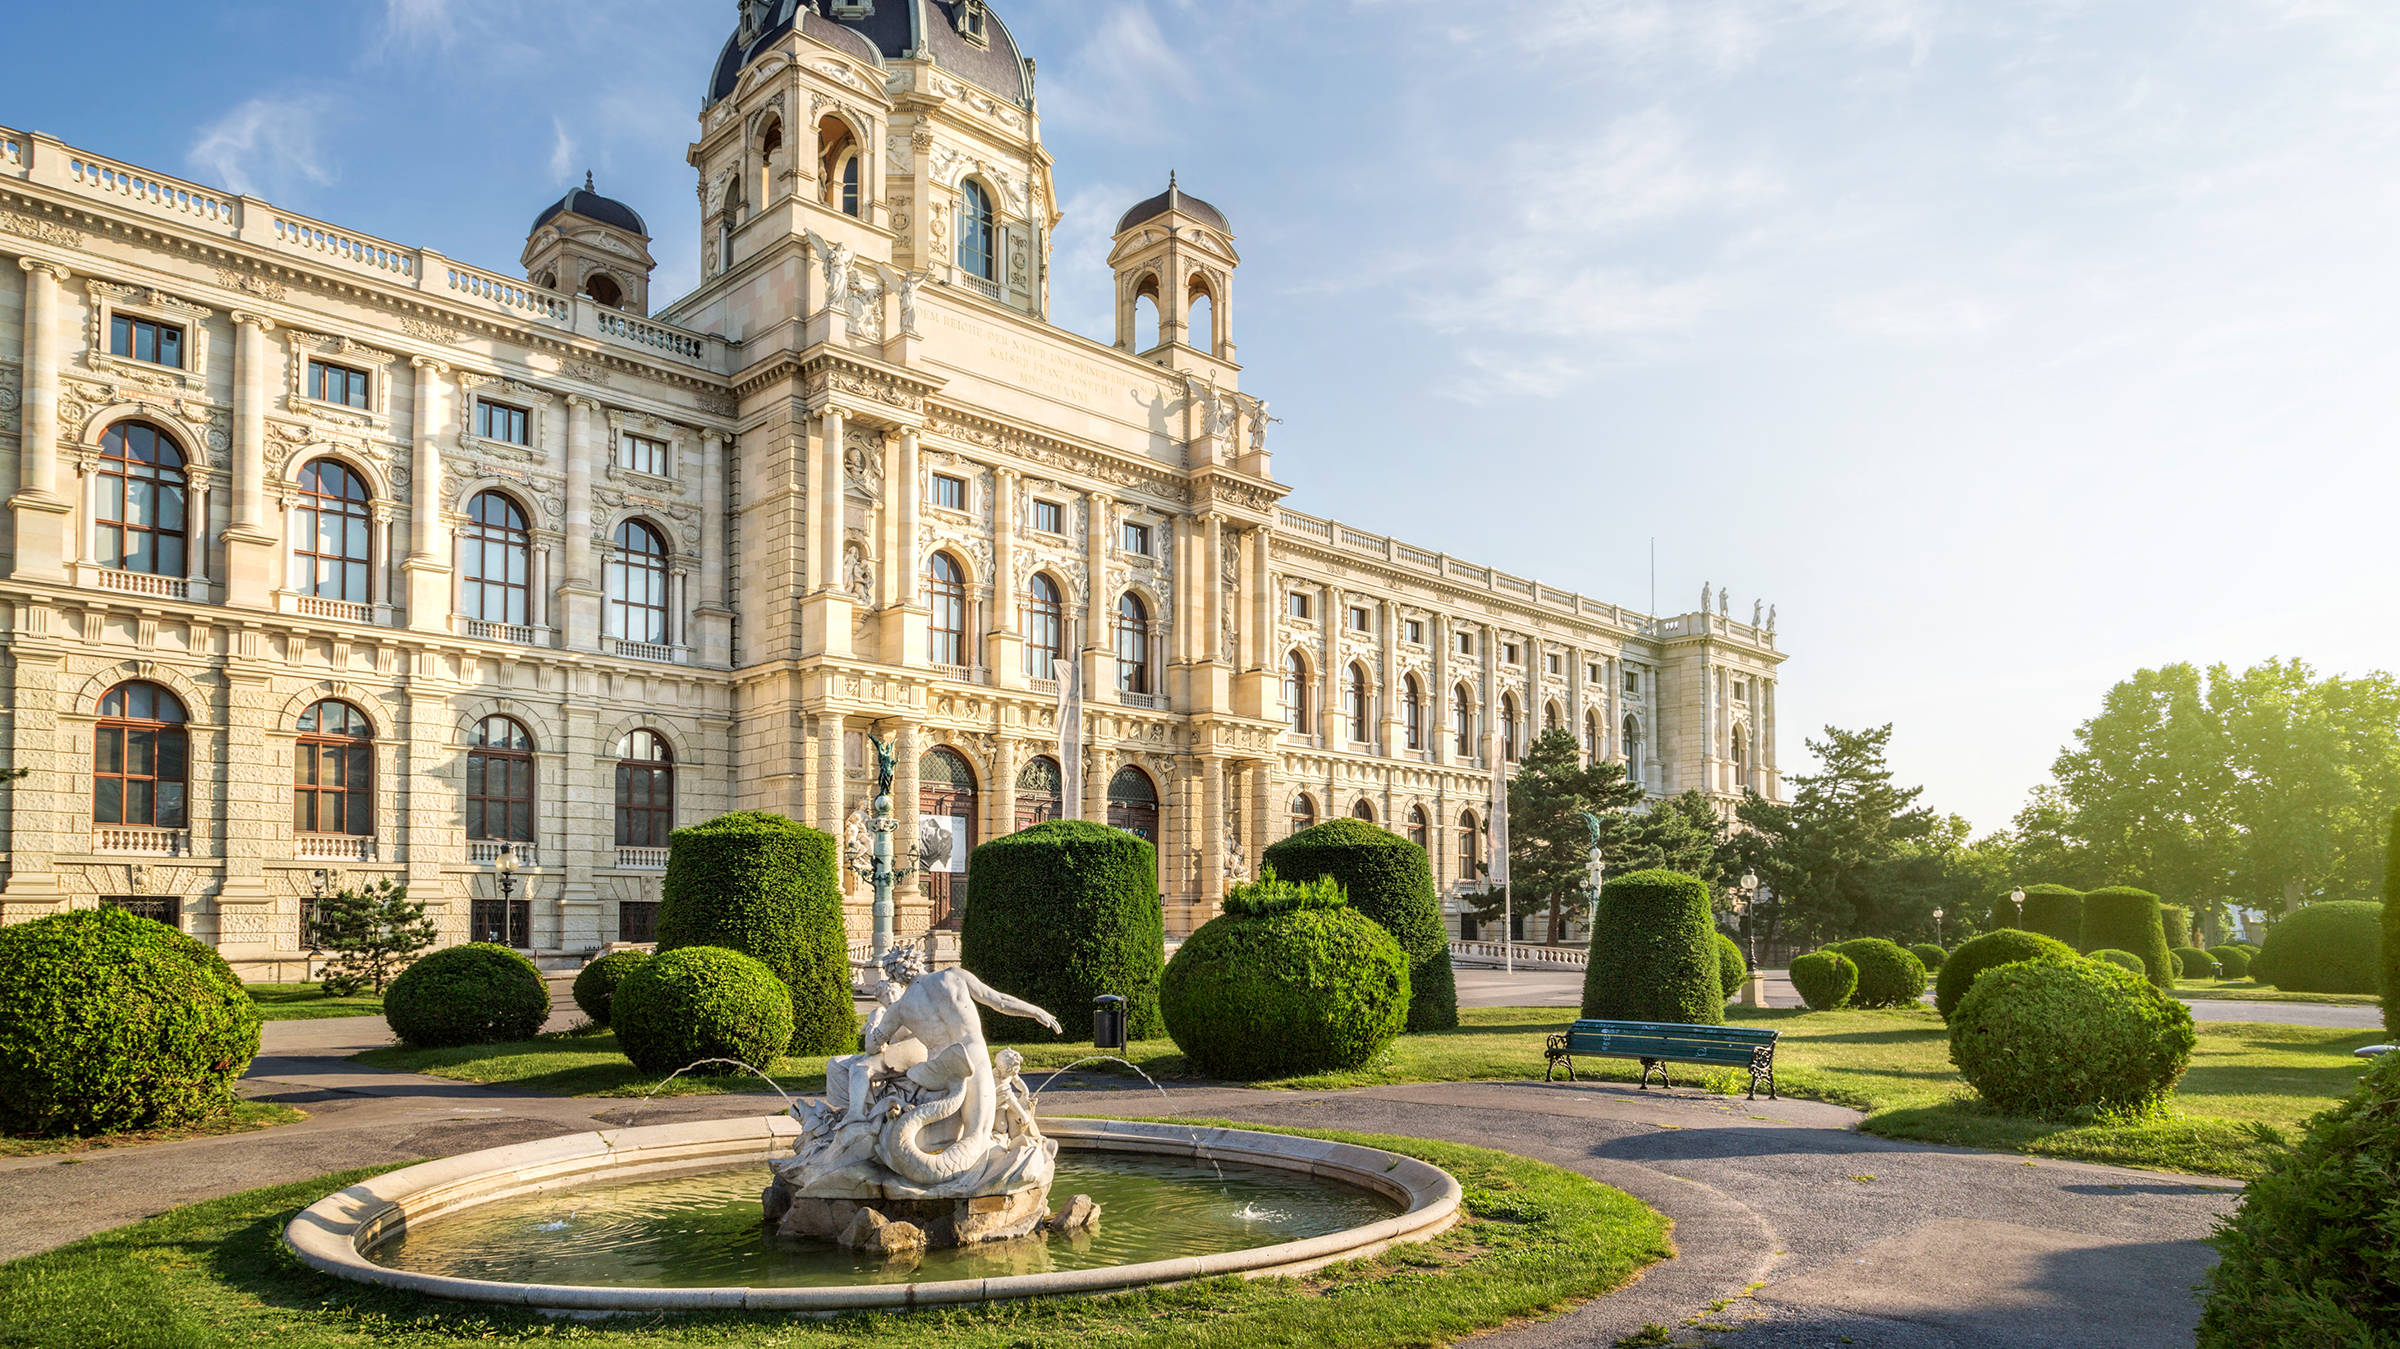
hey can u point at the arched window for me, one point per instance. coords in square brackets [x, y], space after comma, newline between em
[976, 256]
[1357, 708]
[1304, 811]
[140, 759]
[1133, 644]
[770, 145]
[1508, 727]
[645, 790]
[1420, 827]
[1412, 711]
[838, 165]
[1363, 809]
[1045, 627]
[1146, 331]
[637, 584]
[1593, 740]
[496, 552]
[1462, 720]
[1295, 692]
[500, 781]
[946, 587]
[139, 524]
[1200, 318]
[1741, 756]
[332, 534]
[1471, 861]
[1633, 749]
[1549, 718]
[1133, 803]
[605, 291]
[1040, 788]
[333, 771]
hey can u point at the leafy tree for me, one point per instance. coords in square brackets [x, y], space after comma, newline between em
[372, 933]
[1549, 845]
[1826, 853]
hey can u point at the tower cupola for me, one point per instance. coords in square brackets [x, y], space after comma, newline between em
[588, 244]
[1174, 260]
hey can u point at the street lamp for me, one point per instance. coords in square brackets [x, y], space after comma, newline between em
[1937, 927]
[2017, 897]
[1746, 904]
[504, 870]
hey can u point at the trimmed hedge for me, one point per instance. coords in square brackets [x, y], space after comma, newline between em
[1825, 979]
[2006, 946]
[2308, 1260]
[1288, 980]
[1390, 880]
[1059, 914]
[2129, 920]
[597, 984]
[2232, 961]
[110, 1022]
[2054, 911]
[1929, 955]
[2124, 960]
[2391, 929]
[1659, 962]
[767, 887]
[1733, 972]
[1888, 976]
[467, 995]
[2067, 1039]
[2324, 948]
[2193, 963]
[2177, 920]
[702, 1002]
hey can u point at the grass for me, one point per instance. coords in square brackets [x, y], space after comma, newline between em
[307, 1002]
[2250, 990]
[1536, 1240]
[240, 1118]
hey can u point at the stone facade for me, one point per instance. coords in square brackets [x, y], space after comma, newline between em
[862, 383]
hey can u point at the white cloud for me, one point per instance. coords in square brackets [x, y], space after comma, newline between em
[267, 146]
[562, 151]
[1122, 77]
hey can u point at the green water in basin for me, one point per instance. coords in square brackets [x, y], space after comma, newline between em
[706, 1230]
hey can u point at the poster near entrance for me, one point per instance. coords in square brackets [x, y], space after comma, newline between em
[945, 833]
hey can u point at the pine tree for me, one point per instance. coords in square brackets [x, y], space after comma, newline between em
[371, 933]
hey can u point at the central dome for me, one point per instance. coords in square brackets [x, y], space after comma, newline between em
[884, 30]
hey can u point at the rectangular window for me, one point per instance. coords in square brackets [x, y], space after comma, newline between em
[1741, 690]
[143, 340]
[168, 911]
[1361, 620]
[949, 493]
[1591, 672]
[1510, 653]
[330, 383]
[1298, 601]
[1049, 517]
[642, 454]
[499, 421]
[637, 920]
[1137, 539]
[1466, 644]
[504, 922]
[1633, 683]
[1557, 664]
[1415, 629]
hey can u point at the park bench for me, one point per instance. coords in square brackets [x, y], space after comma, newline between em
[1658, 1044]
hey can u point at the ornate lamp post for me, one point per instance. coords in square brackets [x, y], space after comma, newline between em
[1749, 893]
[504, 871]
[1937, 927]
[878, 871]
[2017, 897]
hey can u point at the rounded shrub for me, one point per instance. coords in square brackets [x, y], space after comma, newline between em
[2324, 948]
[1888, 976]
[2177, 920]
[1288, 979]
[702, 1002]
[1929, 955]
[2193, 963]
[2129, 920]
[2054, 911]
[467, 995]
[597, 984]
[767, 887]
[1825, 979]
[1059, 914]
[2232, 961]
[1733, 972]
[2066, 1039]
[1659, 962]
[110, 1022]
[2124, 960]
[1390, 880]
[2006, 946]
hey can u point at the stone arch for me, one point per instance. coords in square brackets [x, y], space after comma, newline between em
[537, 514]
[199, 705]
[379, 484]
[678, 740]
[387, 722]
[191, 438]
[548, 740]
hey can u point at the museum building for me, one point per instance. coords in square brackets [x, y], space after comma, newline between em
[328, 558]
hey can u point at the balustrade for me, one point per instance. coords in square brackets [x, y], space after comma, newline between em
[129, 840]
[641, 859]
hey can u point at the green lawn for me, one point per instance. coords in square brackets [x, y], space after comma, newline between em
[242, 1117]
[2250, 990]
[1537, 1240]
[307, 1002]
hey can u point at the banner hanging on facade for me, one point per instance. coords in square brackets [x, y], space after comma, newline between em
[1070, 729]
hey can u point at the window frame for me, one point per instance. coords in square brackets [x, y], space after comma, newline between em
[1133, 536]
[1462, 711]
[511, 540]
[164, 334]
[978, 253]
[936, 495]
[1045, 626]
[651, 456]
[1298, 680]
[354, 381]
[167, 809]
[353, 794]
[1133, 645]
[1412, 712]
[154, 481]
[628, 563]
[1054, 512]
[647, 822]
[519, 420]
[478, 801]
[353, 576]
[1412, 631]
[946, 604]
[1362, 619]
[1358, 705]
[1297, 604]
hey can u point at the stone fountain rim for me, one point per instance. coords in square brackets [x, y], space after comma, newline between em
[334, 1234]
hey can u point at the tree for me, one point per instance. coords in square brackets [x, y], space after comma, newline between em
[1825, 853]
[1549, 845]
[372, 933]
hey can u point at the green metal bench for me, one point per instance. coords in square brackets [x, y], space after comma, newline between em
[1658, 1044]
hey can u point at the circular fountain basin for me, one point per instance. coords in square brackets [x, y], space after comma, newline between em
[401, 1230]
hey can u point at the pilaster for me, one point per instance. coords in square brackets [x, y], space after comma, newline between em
[42, 516]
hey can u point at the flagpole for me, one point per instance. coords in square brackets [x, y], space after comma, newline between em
[1070, 728]
[1497, 868]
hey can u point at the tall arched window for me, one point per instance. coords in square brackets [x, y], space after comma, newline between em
[1133, 644]
[1462, 720]
[1146, 330]
[140, 759]
[1357, 708]
[1592, 738]
[1741, 757]
[1200, 318]
[1549, 718]
[139, 525]
[1412, 711]
[500, 781]
[946, 591]
[838, 165]
[1471, 860]
[1420, 827]
[1295, 692]
[1304, 811]
[637, 584]
[770, 146]
[1508, 727]
[976, 256]
[333, 771]
[332, 534]
[1045, 627]
[1633, 749]
[645, 790]
[1363, 809]
[1040, 786]
[496, 552]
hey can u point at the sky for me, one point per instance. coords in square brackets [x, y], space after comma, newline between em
[2005, 346]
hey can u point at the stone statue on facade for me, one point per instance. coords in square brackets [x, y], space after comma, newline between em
[1259, 422]
[1725, 603]
[1758, 611]
[837, 275]
[1708, 596]
[909, 285]
[1770, 618]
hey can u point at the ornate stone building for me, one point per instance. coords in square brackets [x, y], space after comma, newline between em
[328, 558]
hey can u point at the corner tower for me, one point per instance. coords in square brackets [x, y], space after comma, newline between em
[587, 244]
[1175, 252]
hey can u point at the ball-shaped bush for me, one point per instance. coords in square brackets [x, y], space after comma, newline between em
[2324, 948]
[2193, 963]
[2125, 919]
[1390, 880]
[695, 1003]
[597, 984]
[1888, 976]
[2004, 947]
[2232, 961]
[2064, 1039]
[111, 1022]
[1059, 914]
[467, 995]
[1825, 979]
[1289, 979]
[2124, 960]
[2055, 912]
[767, 887]
[1733, 972]
[2308, 1259]
[1929, 955]
[1657, 960]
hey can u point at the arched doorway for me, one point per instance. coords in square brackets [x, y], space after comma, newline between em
[1133, 803]
[945, 831]
[1039, 784]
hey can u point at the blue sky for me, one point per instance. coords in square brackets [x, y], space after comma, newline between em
[2005, 347]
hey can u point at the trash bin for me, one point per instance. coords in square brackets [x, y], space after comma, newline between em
[1108, 1022]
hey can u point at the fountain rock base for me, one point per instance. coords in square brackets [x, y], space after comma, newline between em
[901, 1226]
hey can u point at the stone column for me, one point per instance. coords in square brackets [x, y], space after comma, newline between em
[538, 591]
[712, 630]
[1004, 653]
[1211, 579]
[1212, 836]
[1331, 732]
[578, 607]
[1099, 605]
[1394, 734]
[39, 403]
[827, 754]
[1439, 716]
[1263, 655]
[426, 570]
[1001, 817]
[905, 496]
[910, 914]
[195, 520]
[827, 508]
[251, 542]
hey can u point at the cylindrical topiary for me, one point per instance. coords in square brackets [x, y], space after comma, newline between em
[2324, 948]
[2193, 963]
[1888, 976]
[2004, 947]
[767, 887]
[1653, 953]
[110, 1022]
[1289, 979]
[2054, 911]
[1929, 955]
[1390, 880]
[702, 1002]
[1824, 979]
[2064, 1039]
[597, 984]
[2308, 1259]
[467, 995]
[1059, 914]
[2232, 961]
[1733, 972]
[2128, 920]
[2124, 960]
[2177, 920]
